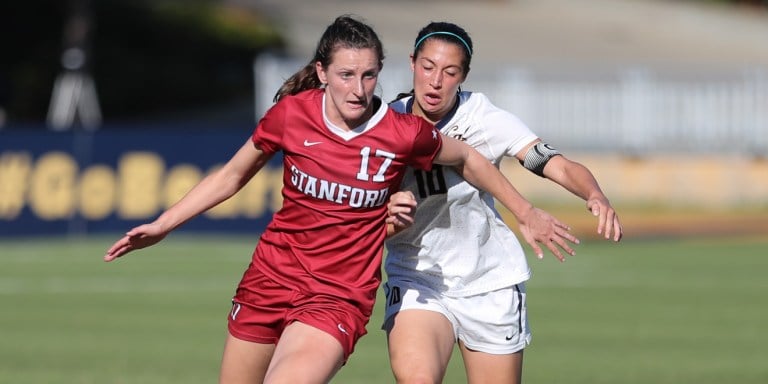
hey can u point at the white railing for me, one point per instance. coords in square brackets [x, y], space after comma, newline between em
[634, 113]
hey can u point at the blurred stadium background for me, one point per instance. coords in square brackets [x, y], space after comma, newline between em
[111, 109]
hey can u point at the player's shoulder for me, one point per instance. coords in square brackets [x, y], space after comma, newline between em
[402, 116]
[309, 94]
[476, 101]
[307, 103]
[480, 106]
[401, 105]
[306, 97]
[406, 127]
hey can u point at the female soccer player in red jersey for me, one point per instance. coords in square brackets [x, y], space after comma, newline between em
[309, 291]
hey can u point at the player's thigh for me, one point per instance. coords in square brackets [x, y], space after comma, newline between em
[482, 367]
[244, 361]
[494, 322]
[319, 354]
[420, 345]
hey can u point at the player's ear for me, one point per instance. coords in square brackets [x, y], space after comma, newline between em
[321, 74]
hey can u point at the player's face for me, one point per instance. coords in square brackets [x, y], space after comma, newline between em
[350, 81]
[437, 75]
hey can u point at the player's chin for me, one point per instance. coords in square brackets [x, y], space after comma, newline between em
[432, 105]
[354, 111]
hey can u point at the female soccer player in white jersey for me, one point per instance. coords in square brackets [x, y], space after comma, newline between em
[309, 290]
[457, 273]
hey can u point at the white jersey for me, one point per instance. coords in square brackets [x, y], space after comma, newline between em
[458, 244]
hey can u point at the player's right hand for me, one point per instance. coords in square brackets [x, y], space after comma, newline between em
[538, 226]
[400, 210]
[140, 237]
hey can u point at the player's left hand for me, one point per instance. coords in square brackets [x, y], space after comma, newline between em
[608, 223]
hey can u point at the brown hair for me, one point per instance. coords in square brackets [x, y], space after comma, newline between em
[345, 32]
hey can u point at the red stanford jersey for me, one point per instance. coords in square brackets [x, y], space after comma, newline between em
[328, 236]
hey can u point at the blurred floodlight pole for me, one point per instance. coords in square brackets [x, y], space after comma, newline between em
[74, 92]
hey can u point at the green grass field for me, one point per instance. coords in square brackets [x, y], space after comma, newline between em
[666, 311]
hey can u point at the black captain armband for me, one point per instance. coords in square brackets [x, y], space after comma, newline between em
[538, 156]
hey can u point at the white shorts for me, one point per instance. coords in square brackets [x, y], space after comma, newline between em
[495, 322]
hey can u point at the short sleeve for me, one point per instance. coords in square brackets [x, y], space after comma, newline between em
[505, 133]
[268, 135]
[512, 135]
[426, 145]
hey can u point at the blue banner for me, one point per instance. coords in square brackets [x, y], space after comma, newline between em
[114, 179]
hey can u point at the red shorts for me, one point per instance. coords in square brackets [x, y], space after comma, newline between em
[262, 308]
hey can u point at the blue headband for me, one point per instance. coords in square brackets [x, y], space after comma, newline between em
[445, 33]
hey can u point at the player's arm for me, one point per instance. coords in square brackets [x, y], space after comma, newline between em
[545, 161]
[212, 190]
[536, 225]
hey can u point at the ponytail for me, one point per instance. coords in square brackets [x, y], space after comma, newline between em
[305, 78]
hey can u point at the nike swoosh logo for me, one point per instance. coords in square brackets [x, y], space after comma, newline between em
[341, 328]
[311, 143]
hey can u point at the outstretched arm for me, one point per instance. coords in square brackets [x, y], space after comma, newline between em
[577, 179]
[536, 225]
[212, 190]
[546, 161]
